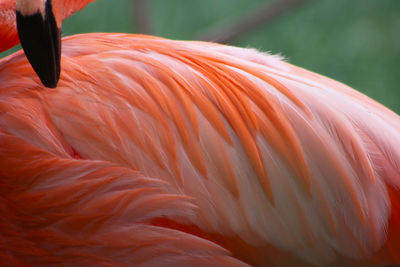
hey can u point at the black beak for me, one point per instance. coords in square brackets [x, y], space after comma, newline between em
[41, 40]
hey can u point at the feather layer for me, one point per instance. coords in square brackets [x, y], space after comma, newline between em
[243, 146]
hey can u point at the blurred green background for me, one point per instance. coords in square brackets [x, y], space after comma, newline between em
[354, 41]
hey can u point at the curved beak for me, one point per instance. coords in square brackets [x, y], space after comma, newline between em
[41, 40]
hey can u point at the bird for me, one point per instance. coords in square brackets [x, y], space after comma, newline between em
[134, 150]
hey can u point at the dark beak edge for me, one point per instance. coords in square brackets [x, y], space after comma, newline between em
[41, 40]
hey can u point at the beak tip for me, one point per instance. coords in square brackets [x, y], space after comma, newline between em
[49, 83]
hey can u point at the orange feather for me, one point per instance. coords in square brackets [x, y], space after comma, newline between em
[153, 152]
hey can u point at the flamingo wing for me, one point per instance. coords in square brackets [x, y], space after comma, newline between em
[59, 209]
[239, 144]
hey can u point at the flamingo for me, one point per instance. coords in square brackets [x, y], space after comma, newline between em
[146, 151]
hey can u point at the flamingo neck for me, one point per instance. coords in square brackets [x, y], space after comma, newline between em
[8, 29]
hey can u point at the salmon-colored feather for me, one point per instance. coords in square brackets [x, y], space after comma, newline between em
[155, 152]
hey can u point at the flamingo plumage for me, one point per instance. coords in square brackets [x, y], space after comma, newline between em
[153, 152]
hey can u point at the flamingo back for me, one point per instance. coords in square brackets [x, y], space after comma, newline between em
[238, 144]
